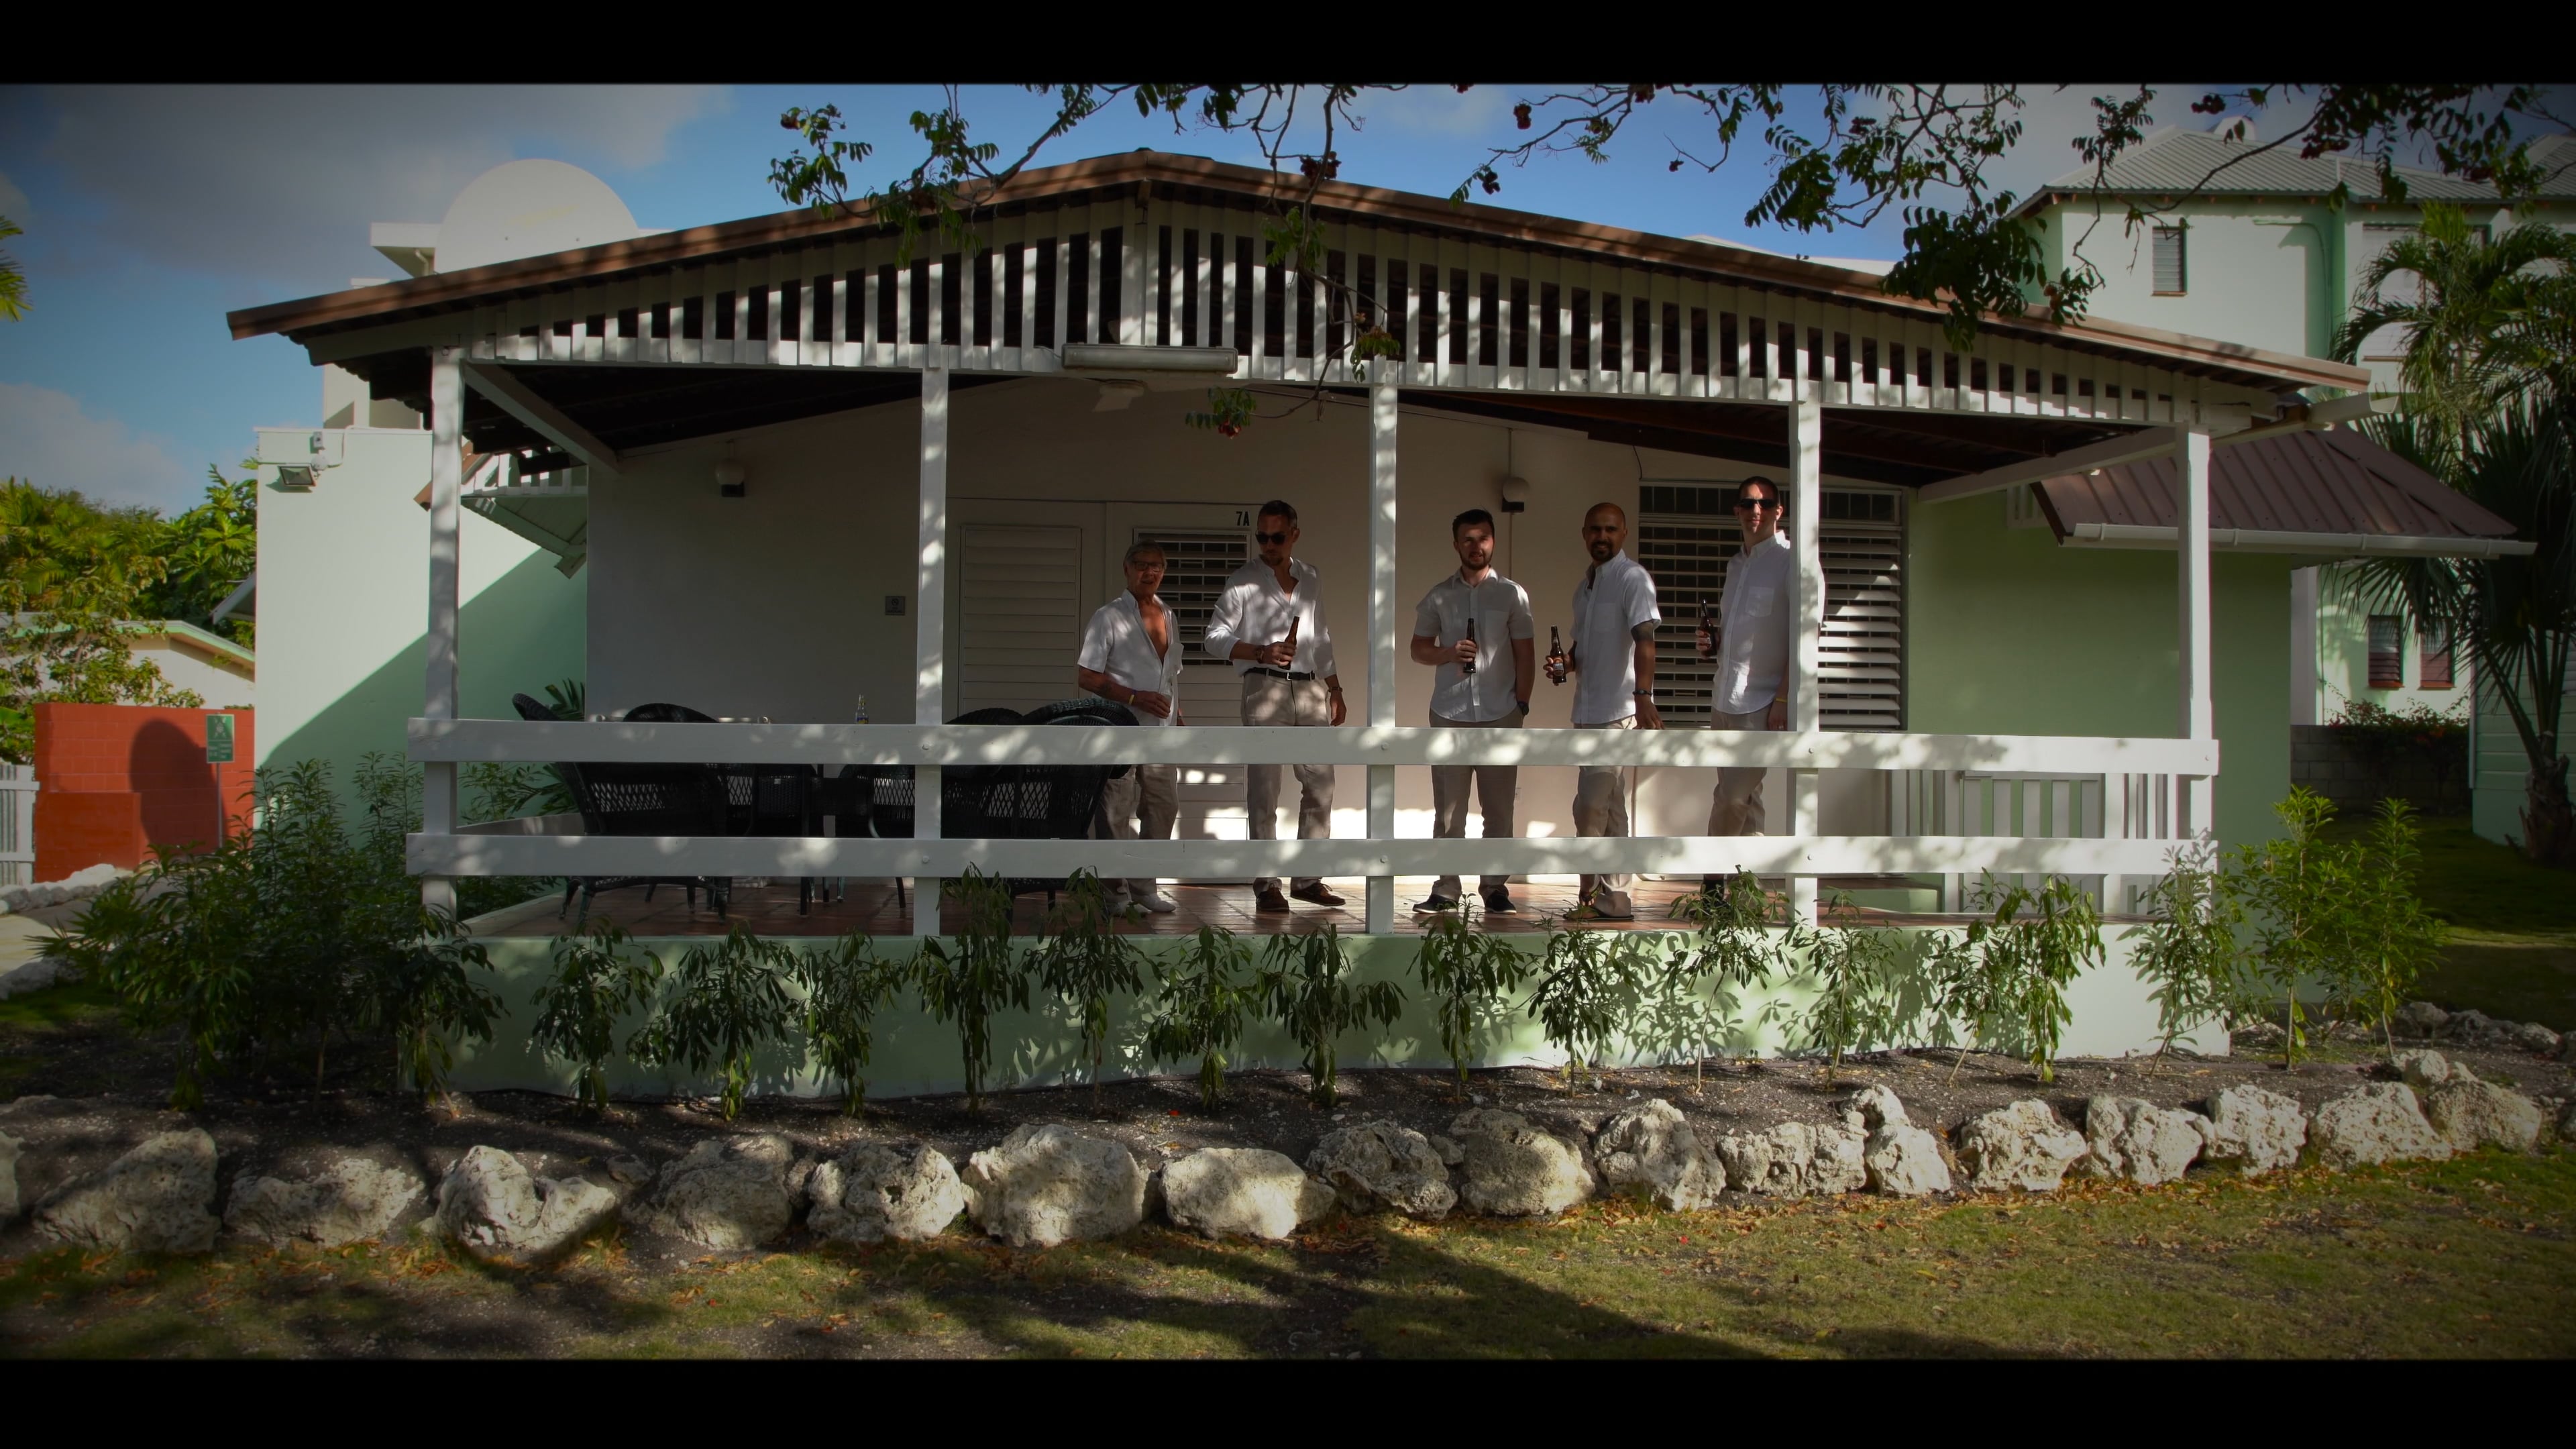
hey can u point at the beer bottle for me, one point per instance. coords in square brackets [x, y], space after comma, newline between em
[1291, 641]
[1708, 650]
[1468, 666]
[1555, 656]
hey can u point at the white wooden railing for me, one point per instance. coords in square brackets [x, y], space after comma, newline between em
[17, 824]
[2163, 765]
[1991, 803]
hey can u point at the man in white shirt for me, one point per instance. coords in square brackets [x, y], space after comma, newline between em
[1456, 627]
[1129, 657]
[1752, 651]
[1270, 623]
[1614, 657]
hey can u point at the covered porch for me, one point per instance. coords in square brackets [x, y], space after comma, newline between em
[623, 377]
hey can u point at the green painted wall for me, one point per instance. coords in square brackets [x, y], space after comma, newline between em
[2113, 1016]
[2009, 633]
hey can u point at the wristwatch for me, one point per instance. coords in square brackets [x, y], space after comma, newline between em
[1524, 704]
[1643, 693]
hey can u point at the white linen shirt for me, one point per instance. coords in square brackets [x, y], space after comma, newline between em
[1255, 610]
[1502, 613]
[1116, 644]
[1753, 613]
[1609, 604]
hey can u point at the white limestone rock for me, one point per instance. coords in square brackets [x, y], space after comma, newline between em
[158, 1198]
[2022, 1145]
[2470, 1114]
[2532, 1037]
[1653, 1148]
[2376, 1123]
[2421, 1067]
[2472, 1028]
[1515, 1170]
[1797, 1158]
[1903, 1160]
[1048, 1184]
[498, 1212]
[1876, 1106]
[351, 1199]
[873, 1192]
[2418, 1019]
[1378, 1165]
[725, 1195]
[2134, 1139]
[2252, 1131]
[1242, 1192]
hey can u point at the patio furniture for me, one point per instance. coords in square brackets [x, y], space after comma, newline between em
[641, 800]
[1031, 802]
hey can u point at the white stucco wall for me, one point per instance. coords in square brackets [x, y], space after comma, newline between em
[773, 604]
[221, 686]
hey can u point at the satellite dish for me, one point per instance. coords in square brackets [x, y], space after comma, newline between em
[528, 209]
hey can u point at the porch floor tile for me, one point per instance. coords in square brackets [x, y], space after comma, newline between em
[870, 906]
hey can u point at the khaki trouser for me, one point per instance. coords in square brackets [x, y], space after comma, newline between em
[1601, 808]
[1735, 806]
[1150, 791]
[1270, 700]
[1497, 788]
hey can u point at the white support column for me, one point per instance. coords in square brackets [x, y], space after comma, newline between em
[2199, 708]
[1806, 699]
[446, 515]
[1383, 626]
[930, 623]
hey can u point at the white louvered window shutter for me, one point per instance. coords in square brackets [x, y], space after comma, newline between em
[1685, 535]
[2170, 272]
[1020, 615]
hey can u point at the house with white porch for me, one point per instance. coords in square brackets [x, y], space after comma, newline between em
[809, 468]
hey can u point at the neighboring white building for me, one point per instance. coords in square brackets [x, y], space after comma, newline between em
[218, 670]
[2260, 256]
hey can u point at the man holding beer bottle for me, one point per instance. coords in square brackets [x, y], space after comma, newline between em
[1614, 667]
[1459, 628]
[1270, 623]
[1751, 648]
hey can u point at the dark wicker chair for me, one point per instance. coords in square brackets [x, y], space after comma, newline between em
[1031, 802]
[644, 800]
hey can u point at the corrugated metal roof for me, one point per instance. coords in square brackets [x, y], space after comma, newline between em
[2178, 161]
[2334, 482]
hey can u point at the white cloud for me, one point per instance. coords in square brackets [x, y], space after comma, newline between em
[48, 439]
[278, 183]
[1439, 110]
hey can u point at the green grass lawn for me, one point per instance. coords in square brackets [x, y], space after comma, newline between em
[2472, 1257]
[2512, 948]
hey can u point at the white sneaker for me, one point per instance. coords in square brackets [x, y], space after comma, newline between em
[1157, 902]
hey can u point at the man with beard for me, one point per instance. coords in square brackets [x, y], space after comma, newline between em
[1614, 659]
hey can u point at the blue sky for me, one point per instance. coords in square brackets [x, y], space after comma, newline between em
[151, 211]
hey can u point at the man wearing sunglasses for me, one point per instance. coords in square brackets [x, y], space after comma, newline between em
[1267, 603]
[1751, 650]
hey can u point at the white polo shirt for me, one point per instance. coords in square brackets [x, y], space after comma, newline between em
[1116, 644]
[1754, 613]
[1255, 610]
[1613, 599]
[1502, 613]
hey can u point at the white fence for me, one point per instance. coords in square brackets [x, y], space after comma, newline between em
[17, 825]
[2155, 775]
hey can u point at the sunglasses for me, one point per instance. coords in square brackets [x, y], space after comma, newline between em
[1270, 538]
[1757, 502]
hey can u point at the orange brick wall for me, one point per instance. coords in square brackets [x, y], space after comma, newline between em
[116, 779]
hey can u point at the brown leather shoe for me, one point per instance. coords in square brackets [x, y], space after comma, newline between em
[1319, 893]
[1270, 900]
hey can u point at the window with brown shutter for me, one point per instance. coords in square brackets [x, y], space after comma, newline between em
[2433, 666]
[2387, 659]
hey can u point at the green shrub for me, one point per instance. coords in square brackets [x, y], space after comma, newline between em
[2300, 892]
[1084, 960]
[845, 987]
[1198, 1012]
[1467, 973]
[1588, 981]
[2036, 944]
[1304, 982]
[1731, 948]
[600, 977]
[2190, 951]
[728, 1001]
[980, 974]
[1857, 1004]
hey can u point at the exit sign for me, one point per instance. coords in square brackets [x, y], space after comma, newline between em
[219, 739]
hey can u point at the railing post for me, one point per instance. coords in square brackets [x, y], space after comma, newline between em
[446, 482]
[2199, 710]
[1382, 627]
[1806, 703]
[930, 618]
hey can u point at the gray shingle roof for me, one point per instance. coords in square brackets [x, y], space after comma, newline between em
[2177, 161]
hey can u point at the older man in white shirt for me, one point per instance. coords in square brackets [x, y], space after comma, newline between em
[1270, 623]
[1614, 659]
[1129, 657]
